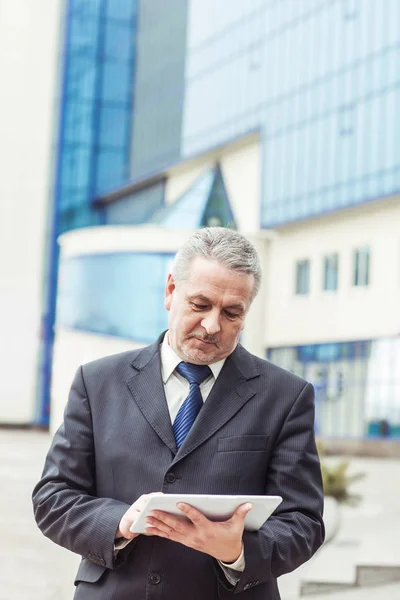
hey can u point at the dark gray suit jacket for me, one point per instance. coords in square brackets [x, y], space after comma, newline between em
[254, 435]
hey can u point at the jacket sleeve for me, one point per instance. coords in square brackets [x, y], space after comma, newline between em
[296, 530]
[65, 504]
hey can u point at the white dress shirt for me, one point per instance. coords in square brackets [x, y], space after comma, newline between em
[176, 389]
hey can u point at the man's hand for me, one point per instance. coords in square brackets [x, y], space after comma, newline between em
[221, 540]
[131, 515]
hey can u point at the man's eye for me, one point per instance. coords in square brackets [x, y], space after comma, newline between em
[199, 306]
[231, 315]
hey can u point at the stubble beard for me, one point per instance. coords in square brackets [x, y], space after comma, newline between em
[200, 355]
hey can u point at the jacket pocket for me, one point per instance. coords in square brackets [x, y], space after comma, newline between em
[243, 443]
[88, 571]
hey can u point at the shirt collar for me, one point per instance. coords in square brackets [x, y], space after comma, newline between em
[170, 360]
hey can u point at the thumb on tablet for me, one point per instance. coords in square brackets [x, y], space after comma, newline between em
[241, 512]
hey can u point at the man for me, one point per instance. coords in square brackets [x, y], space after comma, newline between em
[193, 413]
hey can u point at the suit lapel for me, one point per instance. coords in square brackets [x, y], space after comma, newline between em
[230, 392]
[147, 389]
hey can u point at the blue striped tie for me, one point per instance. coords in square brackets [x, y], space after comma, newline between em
[195, 374]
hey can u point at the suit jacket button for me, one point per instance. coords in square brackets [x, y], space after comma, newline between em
[170, 478]
[154, 578]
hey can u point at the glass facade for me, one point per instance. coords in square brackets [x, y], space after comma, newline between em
[97, 106]
[319, 79]
[120, 295]
[357, 385]
[96, 103]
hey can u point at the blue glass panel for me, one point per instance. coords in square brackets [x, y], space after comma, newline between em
[114, 294]
[113, 127]
[111, 168]
[83, 80]
[188, 211]
[332, 351]
[118, 41]
[76, 172]
[116, 83]
[121, 9]
[78, 124]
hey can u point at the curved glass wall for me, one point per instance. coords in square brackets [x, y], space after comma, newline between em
[119, 294]
[357, 385]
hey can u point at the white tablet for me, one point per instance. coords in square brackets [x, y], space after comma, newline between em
[215, 508]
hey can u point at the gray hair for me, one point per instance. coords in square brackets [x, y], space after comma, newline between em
[225, 246]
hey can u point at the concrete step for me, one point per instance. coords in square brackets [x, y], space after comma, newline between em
[387, 592]
[365, 576]
[369, 575]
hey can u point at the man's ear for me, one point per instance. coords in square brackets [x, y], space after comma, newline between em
[169, 290]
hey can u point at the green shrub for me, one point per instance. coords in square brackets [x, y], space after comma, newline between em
[336, 480]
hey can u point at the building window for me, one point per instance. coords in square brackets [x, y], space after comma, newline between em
[361, 266]
[331, 268]
[302, 277]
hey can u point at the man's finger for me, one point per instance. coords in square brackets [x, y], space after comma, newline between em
[241, 512]
[175, 523]
[156, 523]
[192, 513]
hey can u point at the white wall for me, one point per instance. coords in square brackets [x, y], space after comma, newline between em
[241, 170]
[180, 181]
[350, 313]
[29, 48]
[72, 349]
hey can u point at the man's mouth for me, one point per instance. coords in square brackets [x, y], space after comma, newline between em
[204, 340]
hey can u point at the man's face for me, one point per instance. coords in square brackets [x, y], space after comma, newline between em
[207, 311]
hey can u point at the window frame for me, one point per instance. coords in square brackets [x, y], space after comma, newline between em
[361, 266]
[305, 264]
[330, 259]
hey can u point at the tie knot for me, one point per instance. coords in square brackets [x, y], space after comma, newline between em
[193, 373]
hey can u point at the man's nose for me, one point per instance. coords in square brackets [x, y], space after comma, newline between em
[211, 323]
